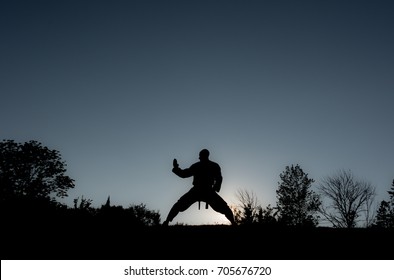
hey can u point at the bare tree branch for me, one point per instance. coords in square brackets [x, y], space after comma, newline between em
[349, 199]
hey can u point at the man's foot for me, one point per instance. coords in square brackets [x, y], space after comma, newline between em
[165, 223]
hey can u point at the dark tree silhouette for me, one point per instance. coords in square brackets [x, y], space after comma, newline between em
[135, 214]
[349, 199]
[297, 205]
[30, 170]
[266, 216]
[143, 215]
[249, 211]
[83, 208]
[246, 212]
[385, 213]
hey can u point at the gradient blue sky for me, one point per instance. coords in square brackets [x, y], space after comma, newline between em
[121, 88]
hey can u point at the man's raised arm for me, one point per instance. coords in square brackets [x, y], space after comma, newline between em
[183, 173]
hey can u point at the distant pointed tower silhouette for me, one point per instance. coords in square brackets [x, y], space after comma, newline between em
[108, 203]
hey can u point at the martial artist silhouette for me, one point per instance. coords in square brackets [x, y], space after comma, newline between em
[207, 181]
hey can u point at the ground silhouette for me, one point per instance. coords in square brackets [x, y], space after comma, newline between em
[98, 239]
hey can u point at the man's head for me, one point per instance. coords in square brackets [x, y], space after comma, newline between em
[204, 154]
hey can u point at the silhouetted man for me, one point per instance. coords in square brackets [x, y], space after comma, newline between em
[207, 181]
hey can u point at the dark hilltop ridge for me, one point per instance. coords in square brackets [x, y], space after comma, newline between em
[96, 241]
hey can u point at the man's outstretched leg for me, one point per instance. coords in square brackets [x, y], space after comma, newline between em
[230, 216]
[181, 205]
[172, 214]
[219, 205]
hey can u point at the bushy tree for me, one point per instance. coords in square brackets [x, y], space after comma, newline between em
[266, 216]
[249, 211]
[135, 214]
[246, 212]
[143, 215]
[83, 208]
[385, 213]
[30, 170]
[297, 204]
